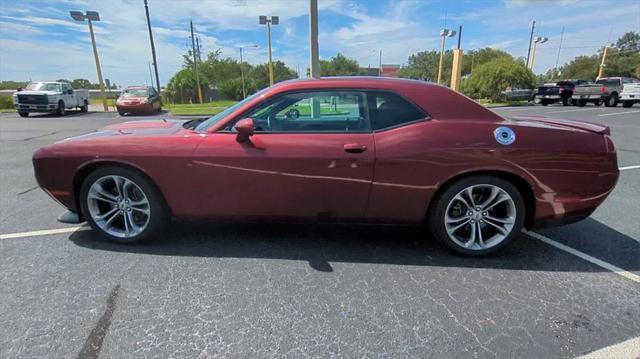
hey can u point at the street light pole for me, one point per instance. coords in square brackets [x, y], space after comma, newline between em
[195, 62]
[89, 16]
[444, 33]
[275, 20]
[380, 65]
[244, 91]
[536, 41]
[153, 48]
[533, 26]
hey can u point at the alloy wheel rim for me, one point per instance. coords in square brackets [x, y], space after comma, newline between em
[118, 206]
[480, 217]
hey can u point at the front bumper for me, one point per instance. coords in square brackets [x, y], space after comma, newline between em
[144, 107]
[35, 108]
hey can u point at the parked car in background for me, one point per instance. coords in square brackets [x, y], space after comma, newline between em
[605, 90]
[389, 151]
[630, 93]
[52, 97]
[138, 99]
[560, 91]
[516, 94]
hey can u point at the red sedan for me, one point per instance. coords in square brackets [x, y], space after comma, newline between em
[138, 99]
[351, 149]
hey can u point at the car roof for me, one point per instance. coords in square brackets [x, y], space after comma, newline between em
[352, 81]
[137, 88]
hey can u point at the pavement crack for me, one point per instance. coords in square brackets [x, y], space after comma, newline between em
[39, 136]
[28, 190]
[93, 344]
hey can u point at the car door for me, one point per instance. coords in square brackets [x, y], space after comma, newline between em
[311, 156]
[68, 98]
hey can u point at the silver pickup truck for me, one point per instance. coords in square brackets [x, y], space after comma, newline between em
[605, 90]
[51, 97]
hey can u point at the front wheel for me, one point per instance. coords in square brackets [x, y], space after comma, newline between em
[23, 114]
[122, 205]
[582, 103]
[60, 111]
[478, 215]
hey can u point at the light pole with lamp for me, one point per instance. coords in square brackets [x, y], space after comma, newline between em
[444, 33]
[536, 41]
[93, 16]
[244, 91]
[273, 20]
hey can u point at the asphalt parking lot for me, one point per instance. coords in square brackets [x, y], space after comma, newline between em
[258, 290]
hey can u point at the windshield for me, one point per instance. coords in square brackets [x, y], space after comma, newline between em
[43, 86]
[215, 119]
[135, 93]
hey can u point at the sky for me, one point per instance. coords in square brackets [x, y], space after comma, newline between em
[39, 40]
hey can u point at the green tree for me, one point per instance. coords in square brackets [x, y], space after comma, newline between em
[260, 74]
[181, 88]
[475, 58]
[339, 65]
[12, 85]
[424, 66]
[489, 79]
[232, 89]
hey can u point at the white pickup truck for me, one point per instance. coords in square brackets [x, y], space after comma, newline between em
[52, 97]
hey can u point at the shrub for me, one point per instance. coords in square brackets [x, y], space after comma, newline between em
[232, 89]
[6, 102]
[489, 79]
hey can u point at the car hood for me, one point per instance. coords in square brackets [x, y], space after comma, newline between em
[27, 92]
[133, 128]
[563, 124]
[132, 99]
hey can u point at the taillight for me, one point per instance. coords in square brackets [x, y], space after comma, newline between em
[561, 90]
[603, 89]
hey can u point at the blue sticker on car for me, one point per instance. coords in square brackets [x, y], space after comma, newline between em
[504, 135]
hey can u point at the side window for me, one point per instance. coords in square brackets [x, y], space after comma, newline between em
[321, 111]
[389, 110]
[66, 87]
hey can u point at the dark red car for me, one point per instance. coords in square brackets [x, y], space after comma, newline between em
[138, 100]
[352, 149]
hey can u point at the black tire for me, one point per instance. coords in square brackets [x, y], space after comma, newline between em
[582, 103]
[627, 104]
[60, 111]
[84, 107]
[544, 102]
[597, 103]
[612, 100]
[565, 102]
[121, 113]
[159, 213]
[436, 219]
[574, 102]
[23, 114]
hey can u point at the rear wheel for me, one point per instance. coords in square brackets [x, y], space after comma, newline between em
[84, 107]
[122, 205]
[478, 215]
[627, 104]
[612, 101]
[597, 103]
[23, 114]
[60, 111]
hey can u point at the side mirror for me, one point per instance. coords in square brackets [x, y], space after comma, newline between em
[244, 128]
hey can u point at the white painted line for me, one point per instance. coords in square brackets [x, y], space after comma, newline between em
[43, 232]
[586, 257]
[580, 109]
[618, 113]
[509, 109]
[627, 349]
[635, 167]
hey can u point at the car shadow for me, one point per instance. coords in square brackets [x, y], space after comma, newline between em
[322, 244]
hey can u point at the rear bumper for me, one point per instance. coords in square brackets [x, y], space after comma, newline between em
[548, 97]
[629, 97]
[589, 97]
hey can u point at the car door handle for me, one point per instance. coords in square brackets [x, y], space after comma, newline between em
[354, 148]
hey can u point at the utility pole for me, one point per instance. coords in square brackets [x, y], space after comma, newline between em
[603, 63]
[100, 81]
[380, 64]
[198, 49]
[195, 63]
[273, 20]
[153, 48]
[244, 91]
[456, 67]
[314, 52]
[533, 26]
[559, 48]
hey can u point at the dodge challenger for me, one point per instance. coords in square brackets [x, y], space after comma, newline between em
[356, 149]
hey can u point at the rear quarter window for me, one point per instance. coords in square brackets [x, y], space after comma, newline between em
[387, 110]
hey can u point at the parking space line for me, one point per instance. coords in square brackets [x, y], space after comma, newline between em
[512, 109]
[580, 109]
[43, 232]
[618, 113]
[586, 257]
[627, 349]
[634, 167]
